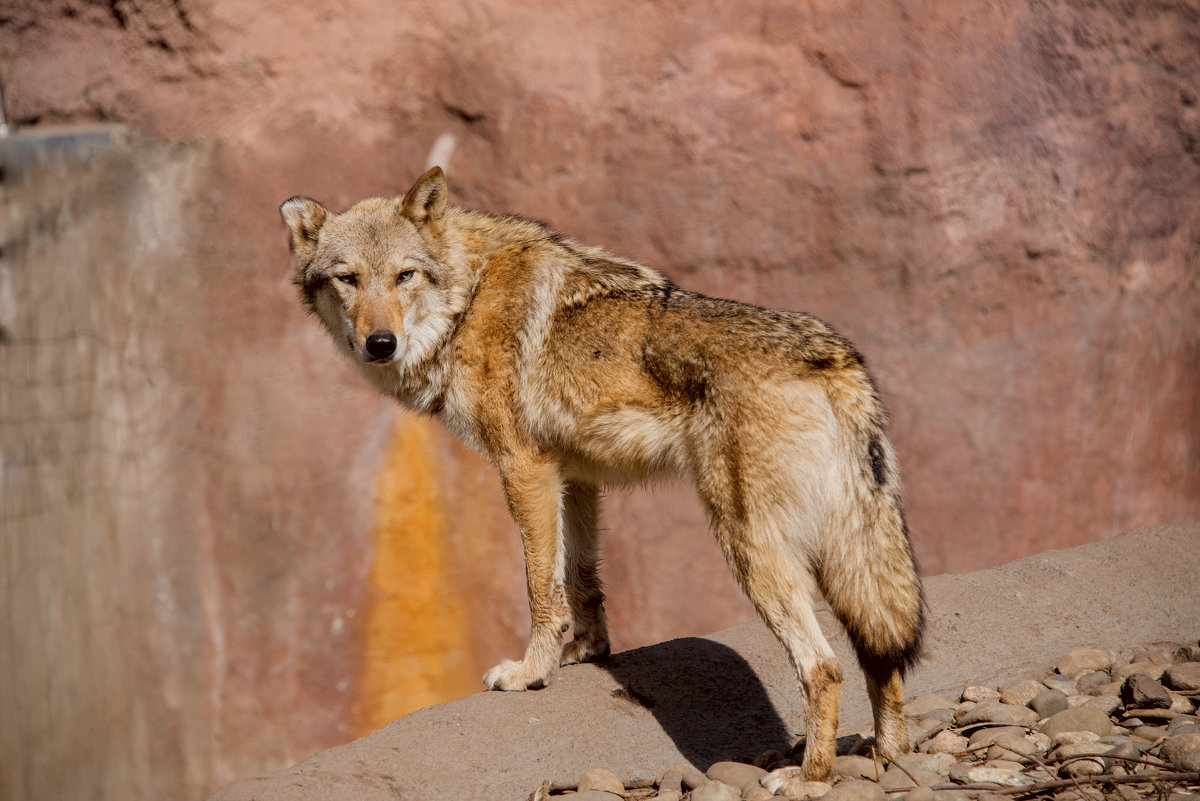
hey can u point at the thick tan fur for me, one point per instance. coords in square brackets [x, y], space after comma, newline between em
[571, 369]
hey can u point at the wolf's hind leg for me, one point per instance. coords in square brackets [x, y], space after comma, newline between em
[780, 588]
[585, 591]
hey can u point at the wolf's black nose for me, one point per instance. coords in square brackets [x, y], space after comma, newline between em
[381, 345]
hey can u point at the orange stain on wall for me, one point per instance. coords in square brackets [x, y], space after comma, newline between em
[417, 641]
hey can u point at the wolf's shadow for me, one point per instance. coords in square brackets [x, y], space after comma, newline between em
[705, 696]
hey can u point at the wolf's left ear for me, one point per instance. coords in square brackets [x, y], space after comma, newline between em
[305, 218]
[426, 201]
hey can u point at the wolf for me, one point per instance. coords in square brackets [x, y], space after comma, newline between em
[572, 370]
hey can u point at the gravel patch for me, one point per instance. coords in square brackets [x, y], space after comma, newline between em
[1097, 726]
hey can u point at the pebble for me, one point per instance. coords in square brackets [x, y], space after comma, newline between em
[1083, 660]
[1183, 676]
[756, 793]
[1106, 704]
[977, 694]
[945, 742]
[1149, 733]
[1111, 688]
[1003, 776]
[738, 774]
[857, 767]
[716, 791]
[1081, 718]
[1022, 692]
[1182, 751]
[601, 779]
[596, 795]
[1139, 690]
[922, 705]
[856, 790]
[988, 735]
[895, 778]
[1012, 746]
[1074, 738]
[1091, 679]
[1137, 668]
[996, 712]
[1061, 683]
[1049, 702]
[1188, 653]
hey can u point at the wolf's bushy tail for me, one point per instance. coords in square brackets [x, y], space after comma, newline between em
[867, 571]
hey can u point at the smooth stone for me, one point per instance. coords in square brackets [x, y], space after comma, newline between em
[1022, 692]
[1003, 776]
[1106, 704]
[1081, 718]
[716, 791]
[1061, 683]
[601, 779]
[1183, 676]
[1111, 688]
[756, 793]
[988, 735]
[1048, 702]
[1182, 720]
[1012, 746]
[1093, 678]
[672, 795]
[996, 712]
[672, 778]
[1182, 705]
[945, 742]
[856, 790]
[1006, 764]
[1137, 668]
[1149, 733]
[959, 773]
[738, 774]
[1080, 749]
[932, 763]
[1083, 767]
[1083, 660]
[978, 694]
[894, 778]
[943, 715]
[1125, 750]
[857, 767]
[1074, 738]
[1182, 751]
[922, 705]
[920, 794]
[595, 795]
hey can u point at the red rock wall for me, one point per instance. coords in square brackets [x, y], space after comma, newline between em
[997, 202]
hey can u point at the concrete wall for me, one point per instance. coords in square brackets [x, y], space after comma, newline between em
[223, 552]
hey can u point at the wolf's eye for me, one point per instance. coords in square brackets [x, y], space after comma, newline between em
[349, 279]
[405, 276]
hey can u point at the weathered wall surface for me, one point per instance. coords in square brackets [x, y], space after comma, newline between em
[998, 203]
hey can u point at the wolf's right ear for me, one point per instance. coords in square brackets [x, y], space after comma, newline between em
[305, 218]
[426, 201]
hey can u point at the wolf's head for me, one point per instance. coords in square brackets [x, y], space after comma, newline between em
[374, 273]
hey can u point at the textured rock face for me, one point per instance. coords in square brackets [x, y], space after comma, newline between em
[996, 203]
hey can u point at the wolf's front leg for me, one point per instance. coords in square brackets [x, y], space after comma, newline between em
[534, 491]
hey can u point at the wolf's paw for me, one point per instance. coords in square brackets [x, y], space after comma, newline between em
[795, 783]
[584, 650]
[510, 675]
